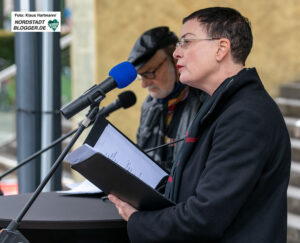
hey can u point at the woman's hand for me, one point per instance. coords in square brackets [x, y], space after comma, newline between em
[124, 209]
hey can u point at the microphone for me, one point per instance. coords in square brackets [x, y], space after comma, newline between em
[119, 76]
[126, 99]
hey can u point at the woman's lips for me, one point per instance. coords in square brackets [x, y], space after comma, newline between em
[179, 67]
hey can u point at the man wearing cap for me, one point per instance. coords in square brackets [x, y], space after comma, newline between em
[170, 106]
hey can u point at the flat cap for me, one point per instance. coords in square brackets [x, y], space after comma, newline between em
[148, 43]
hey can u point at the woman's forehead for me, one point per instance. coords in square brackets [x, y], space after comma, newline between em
[192, 28]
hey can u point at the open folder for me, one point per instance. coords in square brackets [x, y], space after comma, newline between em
[116, 165]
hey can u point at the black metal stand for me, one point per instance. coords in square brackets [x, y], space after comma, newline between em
[11, 234]
[164, 145]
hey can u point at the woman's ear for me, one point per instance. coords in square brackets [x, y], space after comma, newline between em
[223, 49]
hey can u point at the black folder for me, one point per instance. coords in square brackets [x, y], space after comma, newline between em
[112, 178]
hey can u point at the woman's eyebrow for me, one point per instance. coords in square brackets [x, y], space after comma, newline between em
[187, 34]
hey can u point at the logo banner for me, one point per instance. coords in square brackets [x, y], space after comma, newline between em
[35, 21]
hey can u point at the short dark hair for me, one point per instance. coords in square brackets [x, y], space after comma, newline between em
[221, 22]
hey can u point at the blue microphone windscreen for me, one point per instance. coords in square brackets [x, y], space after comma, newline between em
[123, 73]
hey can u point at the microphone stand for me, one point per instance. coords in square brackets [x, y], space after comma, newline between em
[164, 145]
[36, 154]
[11, 234]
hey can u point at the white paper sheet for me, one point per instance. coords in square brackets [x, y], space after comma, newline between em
[113, 145]
[85, 187]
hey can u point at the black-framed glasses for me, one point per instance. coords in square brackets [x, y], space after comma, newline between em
[151, 75]
[185, 42]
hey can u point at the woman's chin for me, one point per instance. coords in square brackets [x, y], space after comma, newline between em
[183, 79]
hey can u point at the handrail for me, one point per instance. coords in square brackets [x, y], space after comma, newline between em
[12, 69]
[65, 41]
[8, 72]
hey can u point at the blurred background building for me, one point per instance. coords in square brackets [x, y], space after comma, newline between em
[98, 34]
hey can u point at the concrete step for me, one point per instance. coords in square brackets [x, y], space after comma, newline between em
[293, 232]
[295, 144]
[295, 174]
[290, 90]
[10, 145]
[293, 195]
[7, 162]
[293, 126]
[289, 107]
[67, 179]
[67, 125]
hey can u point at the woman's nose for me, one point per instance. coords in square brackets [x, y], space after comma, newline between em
[177, 53]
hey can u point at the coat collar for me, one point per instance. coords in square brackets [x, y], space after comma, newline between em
[230, 86]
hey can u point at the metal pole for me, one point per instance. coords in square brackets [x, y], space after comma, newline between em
[28, 101]
[1, 14]
[51, 93]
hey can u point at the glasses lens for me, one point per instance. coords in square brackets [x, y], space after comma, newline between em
[178, 44]
[151, 75]
[148, 75]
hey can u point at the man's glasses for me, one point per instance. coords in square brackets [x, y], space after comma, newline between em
[151, 75]
[185, 42]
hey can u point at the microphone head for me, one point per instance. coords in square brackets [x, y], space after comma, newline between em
[123, 73]
[127, 99]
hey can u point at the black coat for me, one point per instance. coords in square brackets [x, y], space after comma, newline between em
[233, 187]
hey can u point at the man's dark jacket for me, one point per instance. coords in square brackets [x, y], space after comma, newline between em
[233, 186]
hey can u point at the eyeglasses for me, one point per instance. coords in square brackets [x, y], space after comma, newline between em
[151, 75]
[185, 42]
